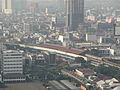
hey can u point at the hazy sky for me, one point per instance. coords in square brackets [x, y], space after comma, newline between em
[41, 0]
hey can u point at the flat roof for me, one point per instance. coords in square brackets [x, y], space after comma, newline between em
[12, 51]
[72, 54]
[62, 48]
[86, 70]
[58, 85]
[69, 85]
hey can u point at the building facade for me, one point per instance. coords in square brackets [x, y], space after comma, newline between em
[12, 66]
[74, 13]
[12, 62]
[11, 6]
[7, 6]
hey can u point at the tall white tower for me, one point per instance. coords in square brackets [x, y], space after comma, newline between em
[7, 6]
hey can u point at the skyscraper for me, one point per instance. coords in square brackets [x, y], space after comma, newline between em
[74, 13]
[7, 6]
[12, 6]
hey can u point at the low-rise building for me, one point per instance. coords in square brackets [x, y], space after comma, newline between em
[108, 84]
[40, 60]
[55, 85]
[14, 77]
[104, 52]
[69, 85]
[85, 72]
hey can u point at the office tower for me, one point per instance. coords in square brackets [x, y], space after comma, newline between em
[7, 6]
[12, 62]
[11, 6]
[12, 66]
[74, 13]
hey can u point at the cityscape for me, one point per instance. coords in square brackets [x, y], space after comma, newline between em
[59, 45]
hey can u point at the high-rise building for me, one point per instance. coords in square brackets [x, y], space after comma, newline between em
[75, 13]
[11, 6]
[7, 6]
[12, 62]
[12, 66]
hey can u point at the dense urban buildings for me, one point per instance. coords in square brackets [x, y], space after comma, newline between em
[59, 44]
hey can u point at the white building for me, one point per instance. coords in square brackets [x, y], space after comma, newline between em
[7, 6]
[12, 66]
[14, 77]
[107, 51]
[12, 62]
[26, 27]
[92, 38]
[109, 84]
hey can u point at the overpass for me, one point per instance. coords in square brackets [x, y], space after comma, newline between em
[102, 60]
[69, 54]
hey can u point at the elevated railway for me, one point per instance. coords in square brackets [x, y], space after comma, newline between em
[57, 51]
[102, 60]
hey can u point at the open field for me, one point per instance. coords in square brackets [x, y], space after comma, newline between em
[25, 86]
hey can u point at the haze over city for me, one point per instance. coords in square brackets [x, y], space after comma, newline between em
[59, 45]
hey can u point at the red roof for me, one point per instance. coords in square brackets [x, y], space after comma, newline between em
[62, 48]
[86, 71]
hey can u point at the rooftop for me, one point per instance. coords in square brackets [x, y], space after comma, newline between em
[58, 85]
[69, 85]
[12, 51]
[62, 48]
[86, 70]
